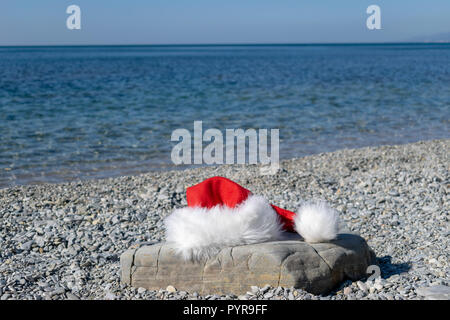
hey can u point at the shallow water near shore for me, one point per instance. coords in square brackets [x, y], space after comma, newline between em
[92, 112]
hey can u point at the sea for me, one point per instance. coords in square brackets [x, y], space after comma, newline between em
[81, 112]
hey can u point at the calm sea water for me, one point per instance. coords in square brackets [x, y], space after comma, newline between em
[83, 112]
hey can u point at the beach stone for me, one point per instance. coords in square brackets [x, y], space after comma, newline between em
[71, 296]
[316, 268]
[347, 290]
[438, 292]
[27, 245]
[254, 289]
[5, 296]
[362, 286]
[141, 290]
[171, 289]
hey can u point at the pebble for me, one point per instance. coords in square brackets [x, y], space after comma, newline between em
[265, 288]
[71, 296]
[6, 296]
[110, 296]
[57, 291]
[362, 286]
[268, 295]
[27, 245]
[171, 289]
[347, 291]
[254, 289]
[142, 290]
[436, 292]
[378, 286]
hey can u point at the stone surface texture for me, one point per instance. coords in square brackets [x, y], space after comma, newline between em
[316, 268]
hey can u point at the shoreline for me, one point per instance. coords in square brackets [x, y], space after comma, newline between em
[135, 170]
[183, 45]
[64, 240]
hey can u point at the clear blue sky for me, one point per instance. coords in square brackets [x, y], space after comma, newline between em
[34, 22]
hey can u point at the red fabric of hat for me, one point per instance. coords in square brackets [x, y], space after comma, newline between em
[222, 191]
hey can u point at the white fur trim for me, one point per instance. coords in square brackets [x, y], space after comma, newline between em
[316, 222]
[200, 233]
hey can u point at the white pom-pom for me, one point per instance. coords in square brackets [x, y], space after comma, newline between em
[317, 222]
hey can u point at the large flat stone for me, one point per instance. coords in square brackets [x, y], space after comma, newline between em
[317, 268]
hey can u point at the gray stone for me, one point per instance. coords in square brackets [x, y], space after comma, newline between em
[110, 296]
[71, 296]
[6, 296]
[171, 289]
[57, 291]
[439, 292]
[378, 286]
[316, 268]
[265, 288]
[268, 295]
[362, 286]
[27, 245]
[141, 290]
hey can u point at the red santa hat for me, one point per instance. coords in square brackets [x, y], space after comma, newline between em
[222, 213]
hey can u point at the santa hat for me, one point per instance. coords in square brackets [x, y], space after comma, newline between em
[222, 213]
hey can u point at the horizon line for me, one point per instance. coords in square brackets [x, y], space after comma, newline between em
[225, 44]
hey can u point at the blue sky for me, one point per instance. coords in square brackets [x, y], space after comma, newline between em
[29, 22]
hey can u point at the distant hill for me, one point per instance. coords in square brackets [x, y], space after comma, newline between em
[438, 37]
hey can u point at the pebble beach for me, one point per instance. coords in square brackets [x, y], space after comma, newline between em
[64, 241]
